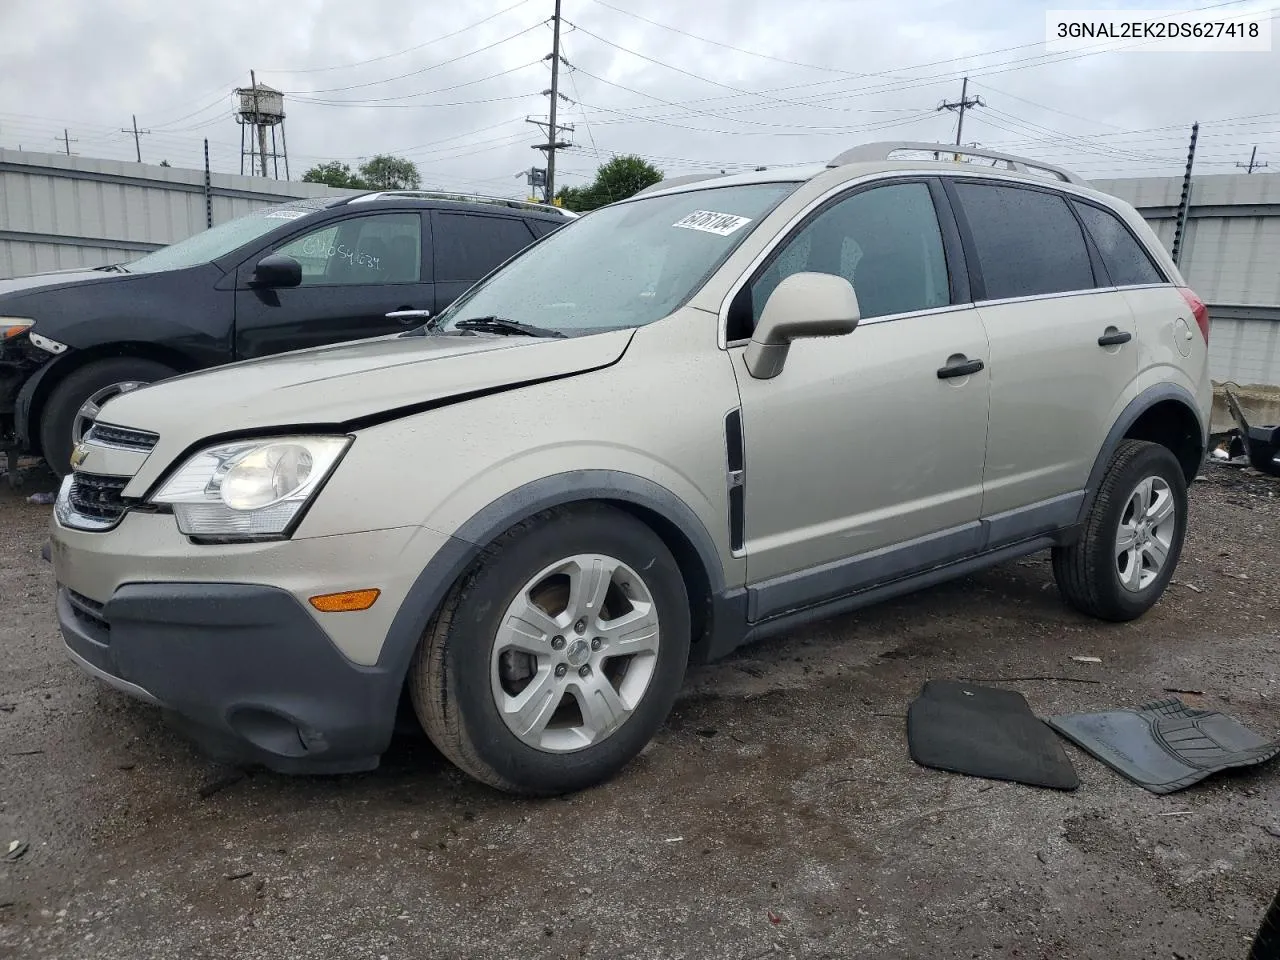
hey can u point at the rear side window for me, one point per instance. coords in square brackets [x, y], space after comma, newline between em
[468, 246]
[1125, 259]
[1027, 242]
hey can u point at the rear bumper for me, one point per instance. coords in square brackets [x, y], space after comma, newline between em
[246, 665]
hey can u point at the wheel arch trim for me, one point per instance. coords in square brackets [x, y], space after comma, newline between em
[1136, 407]
[469, 541]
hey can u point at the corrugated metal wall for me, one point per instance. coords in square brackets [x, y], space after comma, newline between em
[1230, 256]
[59, 212]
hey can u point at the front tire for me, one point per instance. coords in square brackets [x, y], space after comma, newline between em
[75, 402]
[1132, 539]
[557, 657]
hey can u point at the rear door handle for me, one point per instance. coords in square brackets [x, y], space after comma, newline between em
[1114, 337]
[959, 366]
[405, 316]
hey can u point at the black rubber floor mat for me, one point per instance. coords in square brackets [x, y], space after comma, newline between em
[984, 732]
[1165, 745]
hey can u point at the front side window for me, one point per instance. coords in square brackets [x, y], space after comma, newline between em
[885, 241]
[384, 248]
[1125, 260]
[624, 265]
[1027, 242]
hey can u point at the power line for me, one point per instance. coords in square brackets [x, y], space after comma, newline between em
[900, 85]
[421, 93]
[729, 46]
[398, 53]
[421, 70]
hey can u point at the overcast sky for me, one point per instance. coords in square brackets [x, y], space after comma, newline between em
[820, 75]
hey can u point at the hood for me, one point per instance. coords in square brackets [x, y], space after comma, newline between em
[351, 384]
[58, 278]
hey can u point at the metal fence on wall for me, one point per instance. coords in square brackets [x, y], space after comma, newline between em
[60, 213]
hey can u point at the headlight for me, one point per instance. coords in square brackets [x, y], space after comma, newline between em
[12, 326]
[249, 488]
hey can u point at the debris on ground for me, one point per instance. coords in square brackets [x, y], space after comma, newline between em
[1087, 659]
[17, 848]
[42, 499]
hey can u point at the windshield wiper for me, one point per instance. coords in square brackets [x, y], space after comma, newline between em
[502, 325]
[112, 268]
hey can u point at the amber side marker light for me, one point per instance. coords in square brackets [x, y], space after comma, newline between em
[345, 602]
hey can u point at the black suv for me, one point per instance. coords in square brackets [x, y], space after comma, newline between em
[300, 274]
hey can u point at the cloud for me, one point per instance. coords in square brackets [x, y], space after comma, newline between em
[876, 70]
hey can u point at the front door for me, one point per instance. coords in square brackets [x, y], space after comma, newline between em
[355, 272]
[861, 448]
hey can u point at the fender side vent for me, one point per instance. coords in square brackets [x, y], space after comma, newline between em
[735, 472]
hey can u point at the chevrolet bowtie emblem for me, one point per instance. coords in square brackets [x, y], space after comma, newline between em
[78, 454]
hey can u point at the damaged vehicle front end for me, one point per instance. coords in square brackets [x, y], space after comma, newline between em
[24, 356]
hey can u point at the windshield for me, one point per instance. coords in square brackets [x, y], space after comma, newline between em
[620, 266]
[214, 242]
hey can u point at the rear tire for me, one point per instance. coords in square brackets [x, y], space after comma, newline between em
[1132, 539]
[91, 385]
[555, 699]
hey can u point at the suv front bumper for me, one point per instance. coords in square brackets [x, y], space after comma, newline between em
[235, 651]
[250, 669]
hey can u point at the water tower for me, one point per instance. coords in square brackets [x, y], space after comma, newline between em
[261, 109]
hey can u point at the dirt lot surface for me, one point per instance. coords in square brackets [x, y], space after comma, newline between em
[777, 814]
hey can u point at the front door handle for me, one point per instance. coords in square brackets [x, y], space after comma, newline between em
[408, 316]
[1113, 337]
[959, 366]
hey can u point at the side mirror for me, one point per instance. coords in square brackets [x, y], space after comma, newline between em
[277, 270]
[803, 305]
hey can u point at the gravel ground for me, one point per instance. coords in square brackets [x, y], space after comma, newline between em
[777, 814]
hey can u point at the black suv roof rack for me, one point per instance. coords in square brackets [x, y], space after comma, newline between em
[465, 198]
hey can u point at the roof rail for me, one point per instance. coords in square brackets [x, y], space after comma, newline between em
[465, 198]
[677, 182]
[871, 152]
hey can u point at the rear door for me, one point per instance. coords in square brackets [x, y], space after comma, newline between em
[1061, 366]
[355, 272]
[469, 245]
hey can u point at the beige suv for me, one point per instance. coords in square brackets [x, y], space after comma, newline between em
[724, 408]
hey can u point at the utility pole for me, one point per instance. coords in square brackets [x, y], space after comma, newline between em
[554, 142]
[964, 103]
[1184, 202]
[67, 141]
[137, 144]
[1253, 158]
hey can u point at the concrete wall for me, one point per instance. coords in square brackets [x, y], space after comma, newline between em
[59, 212]
[1231, 258]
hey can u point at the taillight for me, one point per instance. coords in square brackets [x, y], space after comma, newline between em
[1198, 308]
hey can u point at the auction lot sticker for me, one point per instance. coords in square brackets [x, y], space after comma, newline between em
[708, 221]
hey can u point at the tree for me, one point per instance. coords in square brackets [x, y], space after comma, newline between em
[616, 180]
[385, 172]
[334, 174]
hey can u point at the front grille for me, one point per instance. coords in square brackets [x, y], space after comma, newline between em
[97, 497]
[123, 437]
[88, 610]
